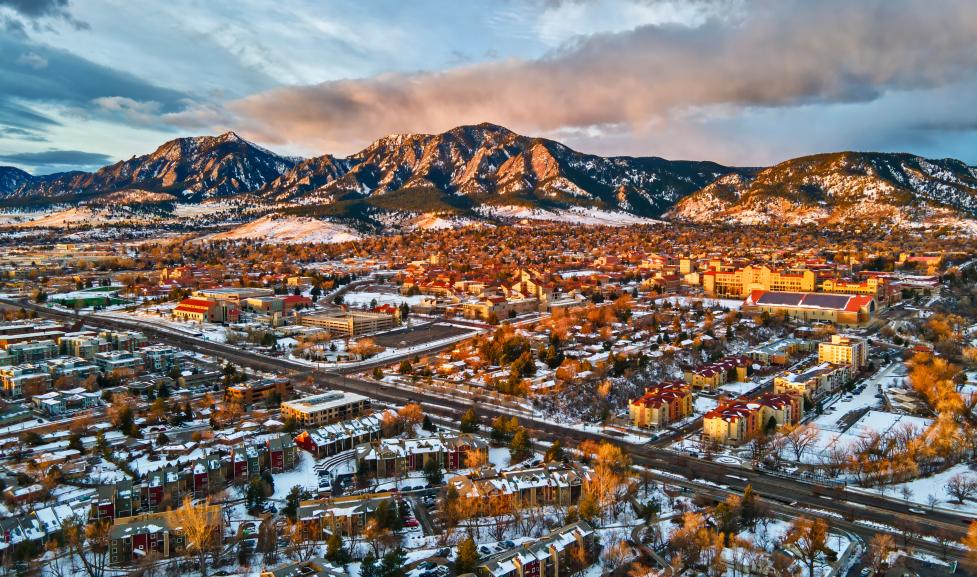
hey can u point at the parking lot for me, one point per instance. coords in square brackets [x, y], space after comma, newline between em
[419, 335]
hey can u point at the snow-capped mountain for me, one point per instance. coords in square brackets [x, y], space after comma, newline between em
[12, 179]
[192, 169]
[488, 164]
[837, 189]
[488, 173]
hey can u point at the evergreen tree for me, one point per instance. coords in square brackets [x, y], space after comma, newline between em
[469, 422]
[292, 501]
[393, 564]
[555, 453]
[255, 496]
[467, 556]
[335, 552]
[749, 511]
[368, 567]
[433, 472]
[520, 445]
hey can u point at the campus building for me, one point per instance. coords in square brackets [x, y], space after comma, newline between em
[350, 324]
[836, 308]
[741, 282]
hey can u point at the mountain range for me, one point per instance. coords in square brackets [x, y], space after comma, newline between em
[485, 171]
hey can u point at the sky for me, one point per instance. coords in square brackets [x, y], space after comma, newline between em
[84, 83]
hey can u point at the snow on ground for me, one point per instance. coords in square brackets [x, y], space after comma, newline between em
[291, 230]
[432, 221]
[364, 298]
[74, 217]
[499, 457]
[202, 209]
[740, 389]
[576, 215]
[732, 304]
[934, 485]
[576, 273]
[703, 404]
[303, 475]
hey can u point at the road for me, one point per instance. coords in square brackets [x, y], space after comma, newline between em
[788, 493]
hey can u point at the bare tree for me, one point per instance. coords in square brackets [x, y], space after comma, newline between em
[879, 549]
[810, 538]
[800, 438]
[200, 525]
[90, 544]
[961, 487]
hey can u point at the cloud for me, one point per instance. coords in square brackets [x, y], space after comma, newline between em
[39, 9]
[48, 161]
[57, 157]
[36, 8]
[41, 77]
[32, 59]
[770, 54]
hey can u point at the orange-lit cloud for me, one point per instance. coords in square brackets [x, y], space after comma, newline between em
[770, 54]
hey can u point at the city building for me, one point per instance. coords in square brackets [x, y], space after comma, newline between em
[350, 323]
[713, 375]
[19, 380]
[344, 515]
[551, 556]
[335, 438]
[325, 408]
[262, 390]
[236, 295]
[559, 484]
[395, 457]
[741, 282]
[837, 308]
[207, 310]
[780, 351]
[845, 350]
[661, 405]
[735, 421]
[134, 537]
[813, 382]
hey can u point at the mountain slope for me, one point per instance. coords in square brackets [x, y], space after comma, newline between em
[839, 188]
[12, 179]
[489, 164]
[192, 168]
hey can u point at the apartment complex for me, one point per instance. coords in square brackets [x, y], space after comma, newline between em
[325, 408]
[134, 538]
[737, 420]
[661, 405]
[813, 382]
[713, 375]
[550, 556]
[394, 457]
[845, 350]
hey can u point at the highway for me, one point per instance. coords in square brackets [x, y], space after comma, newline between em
[789, 494]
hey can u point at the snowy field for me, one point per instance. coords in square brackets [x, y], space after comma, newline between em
[291, 230]
[364, 298]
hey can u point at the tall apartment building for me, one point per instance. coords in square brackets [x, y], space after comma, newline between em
[844, 350]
